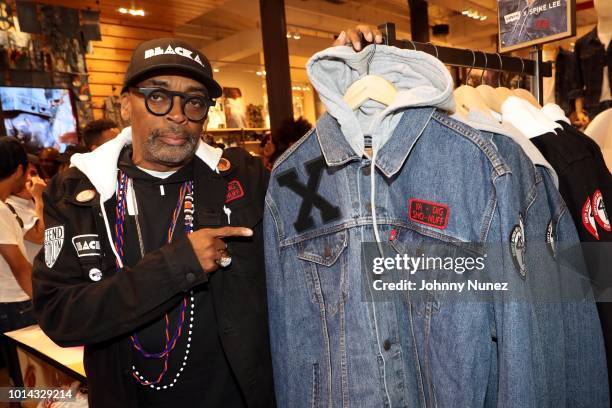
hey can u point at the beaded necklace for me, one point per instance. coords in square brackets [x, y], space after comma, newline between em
[186, 201]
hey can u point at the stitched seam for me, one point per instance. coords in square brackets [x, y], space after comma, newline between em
[496, 161]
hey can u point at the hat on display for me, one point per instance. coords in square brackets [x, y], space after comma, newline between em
[170, 55]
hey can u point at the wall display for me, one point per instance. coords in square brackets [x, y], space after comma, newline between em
[39, 117]
[523, 23]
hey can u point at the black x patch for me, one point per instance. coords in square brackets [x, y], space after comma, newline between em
[309, 194]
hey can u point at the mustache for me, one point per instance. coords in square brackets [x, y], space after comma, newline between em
[173, 130]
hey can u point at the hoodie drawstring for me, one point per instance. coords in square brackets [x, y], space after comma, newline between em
[108, 233]
[378, 243]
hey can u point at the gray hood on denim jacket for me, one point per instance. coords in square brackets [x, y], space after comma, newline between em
[420, 79]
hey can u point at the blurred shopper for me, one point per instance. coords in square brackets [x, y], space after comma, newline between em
[289, 132]
[98, 132]
[15, 270]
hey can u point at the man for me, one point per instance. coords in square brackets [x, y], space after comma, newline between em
[98, 132]
[49, 163]
[29, 210]
[15, 270]
[153, 252]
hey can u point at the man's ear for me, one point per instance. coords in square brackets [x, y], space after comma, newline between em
[126, 107]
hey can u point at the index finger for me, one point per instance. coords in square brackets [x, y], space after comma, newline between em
[224, 232]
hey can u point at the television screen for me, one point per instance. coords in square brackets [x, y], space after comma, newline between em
[41, 117]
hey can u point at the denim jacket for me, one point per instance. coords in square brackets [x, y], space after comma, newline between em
[332, 344]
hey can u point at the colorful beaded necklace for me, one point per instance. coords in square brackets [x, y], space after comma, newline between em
[186, 201]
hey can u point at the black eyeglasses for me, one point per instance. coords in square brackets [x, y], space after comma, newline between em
[159, 102]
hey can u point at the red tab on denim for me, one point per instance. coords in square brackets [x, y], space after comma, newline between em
[428, 213]
[234, 191]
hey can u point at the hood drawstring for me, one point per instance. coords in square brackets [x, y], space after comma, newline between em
[373, 201]
[108, 233]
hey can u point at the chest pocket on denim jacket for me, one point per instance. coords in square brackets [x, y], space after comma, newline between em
[325, 267]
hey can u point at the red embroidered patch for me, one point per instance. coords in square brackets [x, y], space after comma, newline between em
[428, 213]
[588, 218]
[234, 191]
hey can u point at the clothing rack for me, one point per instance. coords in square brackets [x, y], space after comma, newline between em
[477, 59]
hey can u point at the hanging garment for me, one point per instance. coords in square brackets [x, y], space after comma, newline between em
[585, 185]
[592, 59]
[565, 70]
[430, 180]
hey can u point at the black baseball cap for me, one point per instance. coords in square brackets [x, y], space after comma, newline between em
[170, 54]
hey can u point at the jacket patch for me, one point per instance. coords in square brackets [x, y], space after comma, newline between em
[309, 193]
[54, 240]
[599, 211]
[95, 274]
[428, 213]
[588, 218]
[234, 191]
[518, 247]
[87, 245]
[551, 244]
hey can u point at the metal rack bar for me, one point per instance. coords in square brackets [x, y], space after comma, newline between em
[470, 58]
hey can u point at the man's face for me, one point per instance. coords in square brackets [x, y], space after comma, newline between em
[19, 180]
[166, 141]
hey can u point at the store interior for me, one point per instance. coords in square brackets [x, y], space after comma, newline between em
[63, 63]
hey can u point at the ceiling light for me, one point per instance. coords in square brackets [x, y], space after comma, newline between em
[296, 36]
[483, 18]
[216, 70]
[132, 12]
[288, 34]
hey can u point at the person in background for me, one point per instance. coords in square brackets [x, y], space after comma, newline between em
[98, 132]
[289, 132]
[15, 270]
[49, 163]
[29, 209]
[65, 157]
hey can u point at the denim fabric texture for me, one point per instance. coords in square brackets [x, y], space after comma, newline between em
[332, 348]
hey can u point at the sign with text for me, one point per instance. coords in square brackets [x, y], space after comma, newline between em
[523, 23]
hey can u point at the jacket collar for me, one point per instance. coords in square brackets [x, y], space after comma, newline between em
[100, 166]
[592, 36]
[392, 155]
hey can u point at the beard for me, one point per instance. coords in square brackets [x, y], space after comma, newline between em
[157, 150]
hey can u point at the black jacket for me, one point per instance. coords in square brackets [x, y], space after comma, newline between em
[591, 58]
[73, 309]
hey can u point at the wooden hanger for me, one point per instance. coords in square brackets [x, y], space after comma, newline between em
[370, 87]
[523, 93]
[468, 99]
[488, 94]
[502, 92]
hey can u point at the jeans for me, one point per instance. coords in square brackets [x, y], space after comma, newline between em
[14, 316]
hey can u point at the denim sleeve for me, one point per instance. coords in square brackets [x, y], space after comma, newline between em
[550, 346]
[276, 304]
[585, 360]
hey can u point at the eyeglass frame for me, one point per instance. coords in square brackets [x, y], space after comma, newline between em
[147, 91]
